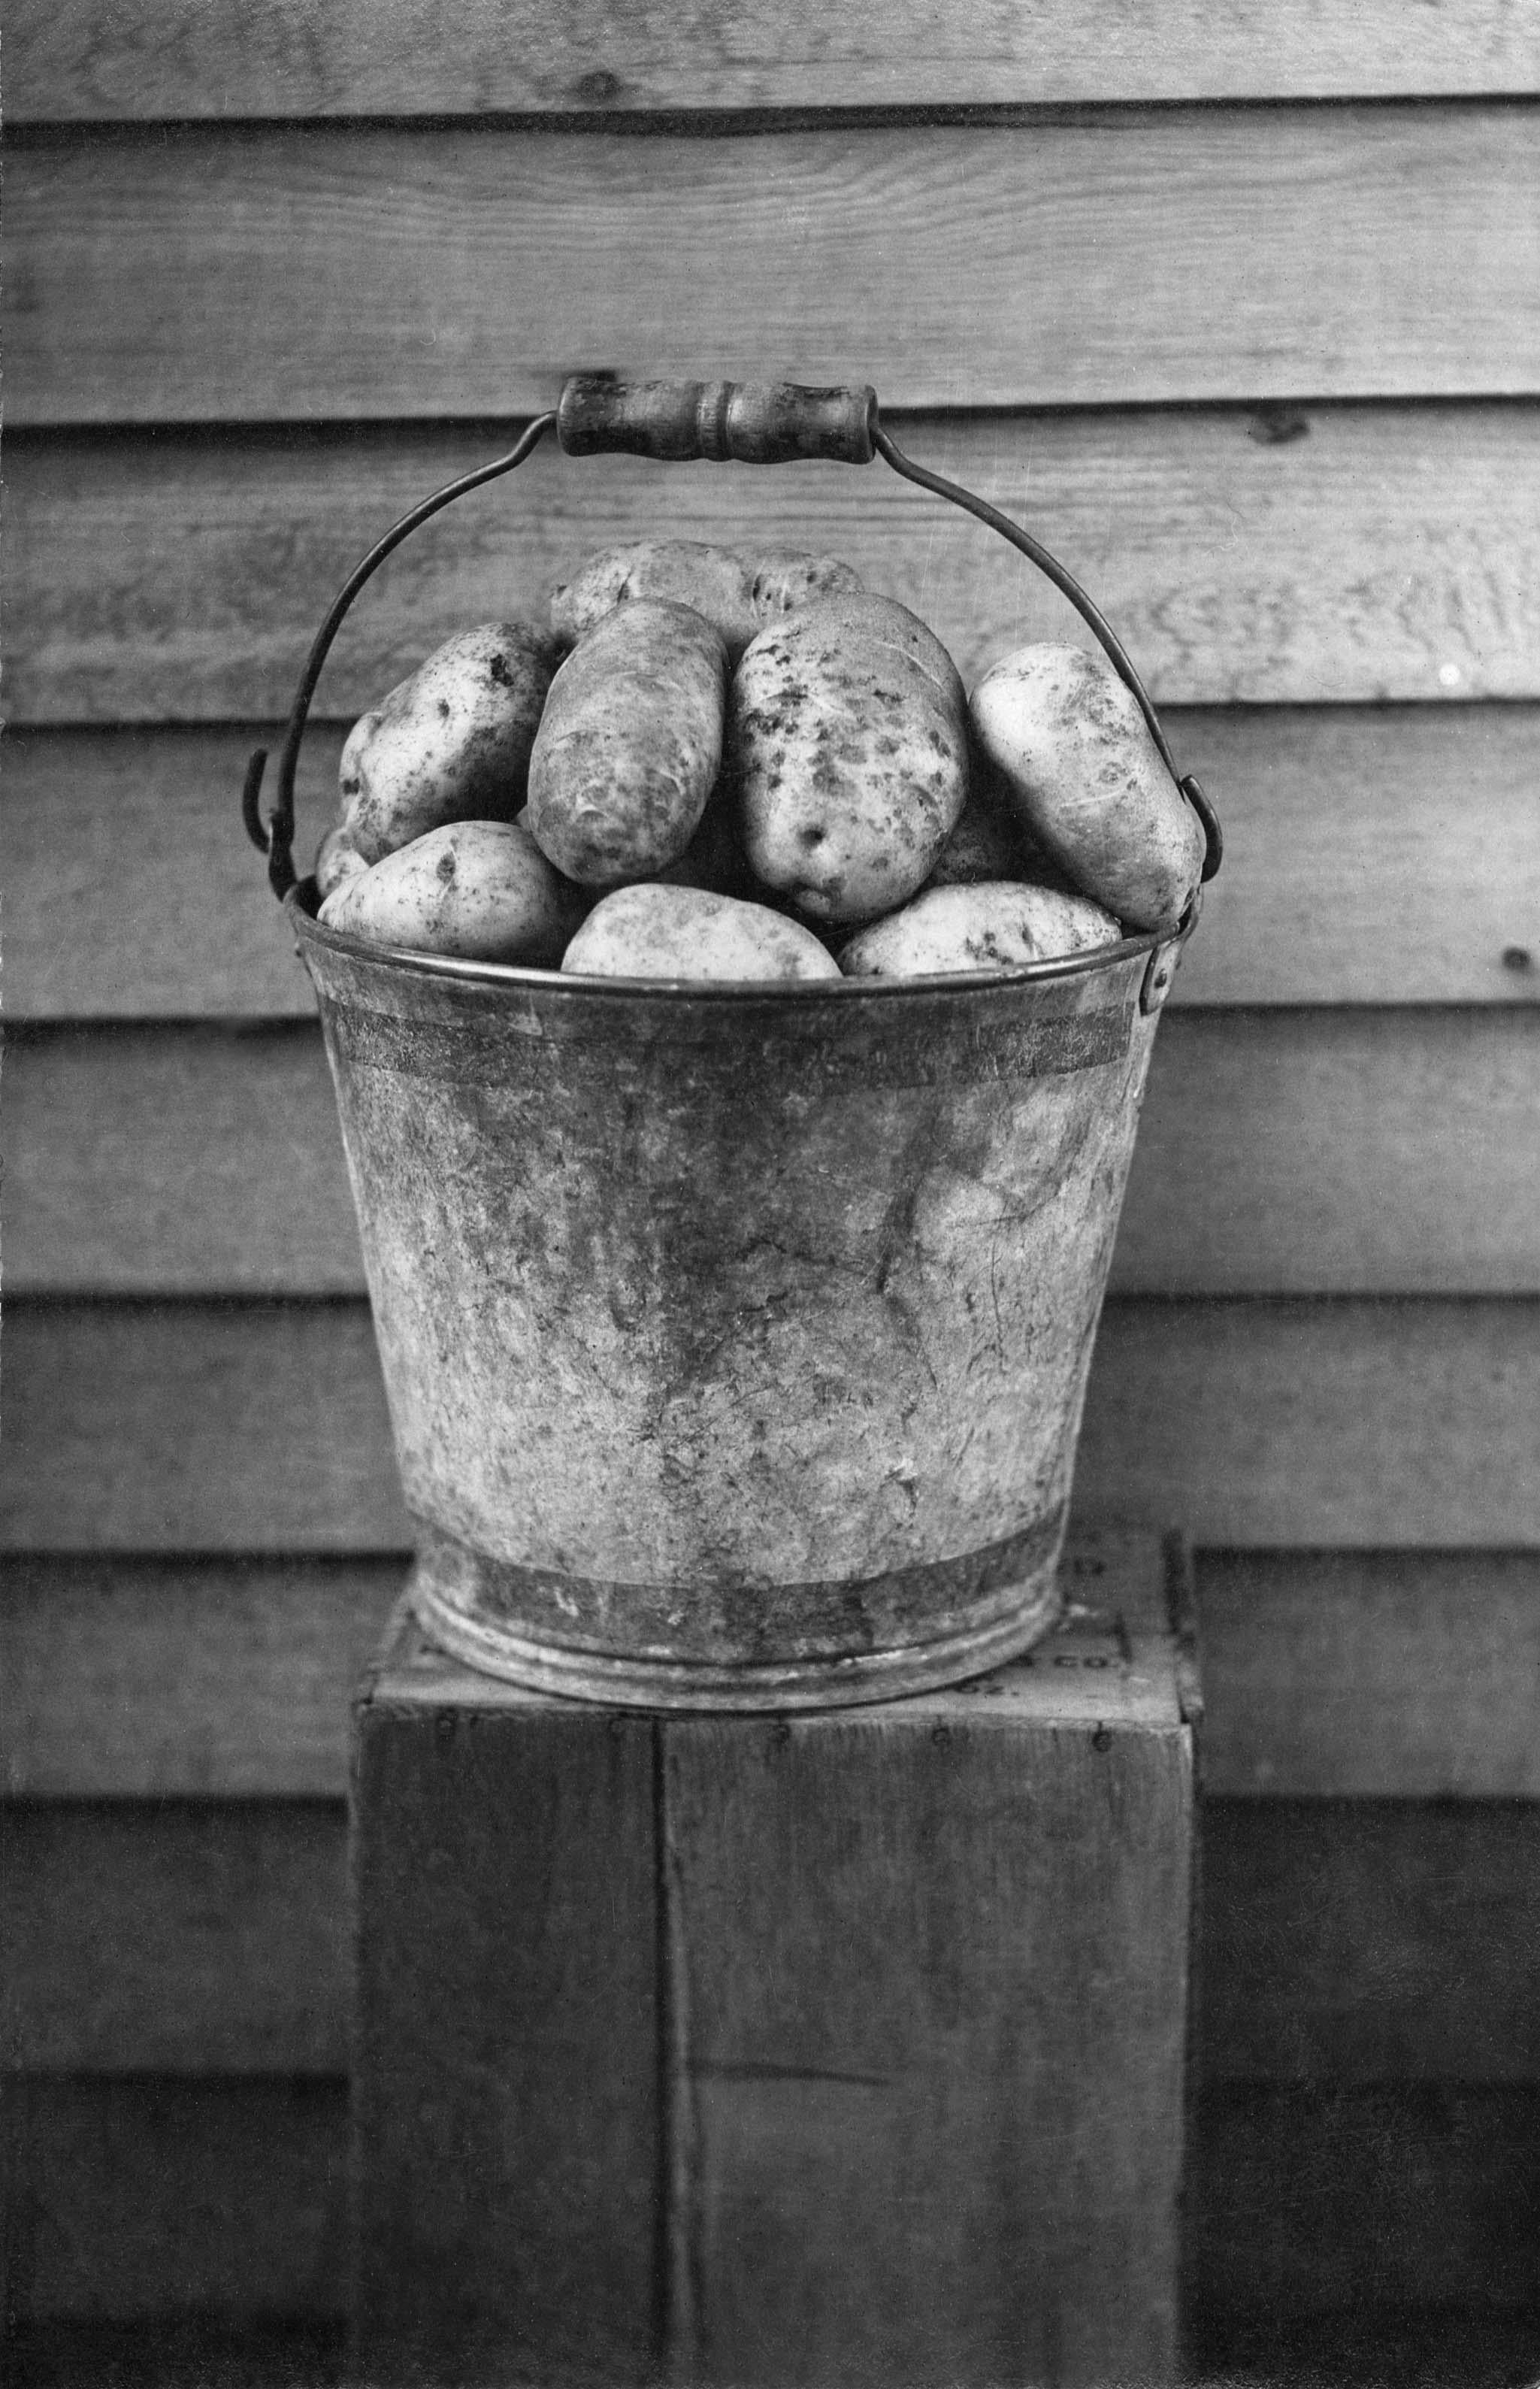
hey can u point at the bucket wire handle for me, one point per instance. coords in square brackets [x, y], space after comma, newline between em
[749, 423]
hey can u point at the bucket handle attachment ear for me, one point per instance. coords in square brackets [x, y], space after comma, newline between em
[723, 422]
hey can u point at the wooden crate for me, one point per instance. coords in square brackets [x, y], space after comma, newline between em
[749, 2048]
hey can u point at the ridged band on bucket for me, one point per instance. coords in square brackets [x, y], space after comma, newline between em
[818, 1646]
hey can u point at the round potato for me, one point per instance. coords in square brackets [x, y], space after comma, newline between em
[848, 750]
[337, 859]
[1084, 776]
[661, 932]
[995, 925]
[449, 744]
[739, 594]
[629, 744]
[480, 888]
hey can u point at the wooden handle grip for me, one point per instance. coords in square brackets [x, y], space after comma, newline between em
[724, 422]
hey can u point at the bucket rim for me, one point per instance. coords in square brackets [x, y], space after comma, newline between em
[460, 970]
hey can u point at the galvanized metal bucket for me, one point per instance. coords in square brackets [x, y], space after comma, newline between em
[736, 1338]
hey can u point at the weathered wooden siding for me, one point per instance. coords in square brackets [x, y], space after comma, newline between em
[1241, 307]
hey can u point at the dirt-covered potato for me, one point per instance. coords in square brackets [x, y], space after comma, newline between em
[451, 743]
[662, 932]
[848, 750]
[738, 593]
[993, 926]
[1081, 770]
[337, 859]
[480, 888]
[629, 744]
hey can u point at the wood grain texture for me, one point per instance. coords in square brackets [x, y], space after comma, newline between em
[149, 2197]
[1373, 854]
[506, 2055]
[82, 60]
[1304, 2201]
[174, 1680]
[1368, 1674]
[1331, 554]
[291, 273]
[203, 1428]
[185, 1937]
[1279, 1153]
[1345, 1941]
[1326, 1674]
[932, 2081]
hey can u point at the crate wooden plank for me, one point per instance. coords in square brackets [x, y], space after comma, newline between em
[506, 2093]
[1326, 1674]
[1368, 1674]
[167, 1679]
[199, 1937]
[1304, 2201]
[855, 2132]
[82, 61]
[1370, 1941]
[1280, 1153]
[1349, 876]
[1272, 554]
[1347, 1941]
[163, 2196]
[260, 1426]
[289, 273]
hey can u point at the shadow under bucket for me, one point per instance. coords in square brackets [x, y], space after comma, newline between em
[735, 1341]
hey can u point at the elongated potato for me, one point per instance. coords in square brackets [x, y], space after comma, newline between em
[738, 593]
[629, 744]
[848, 750]
[451, 743]
[482, 889]
[1085, 777]
[664, 932]
[992, 925]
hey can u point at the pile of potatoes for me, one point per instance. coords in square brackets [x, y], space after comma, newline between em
[711, 766]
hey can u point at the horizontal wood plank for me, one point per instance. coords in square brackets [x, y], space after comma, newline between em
[170, 1679]
[1350, 875]
[80, 61]
[1280, 1153]
[186, 1937]
[1330, 553]
[367, 272]
[151, 2197]
[140, 2199]
[261, 1427]
[1312, 2201]
[1370, 1941]
[1350, 1941]
[1326, 1674]
[1368, 1674]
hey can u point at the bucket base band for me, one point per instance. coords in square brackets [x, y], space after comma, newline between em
[962, 1640]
